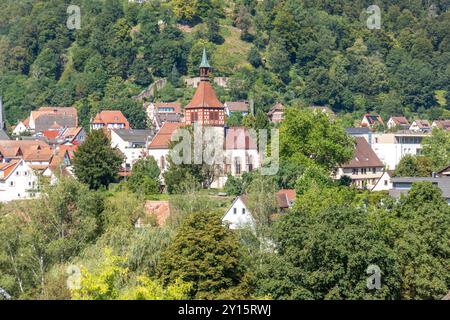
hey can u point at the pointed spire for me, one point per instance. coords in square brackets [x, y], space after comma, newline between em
[205, 63]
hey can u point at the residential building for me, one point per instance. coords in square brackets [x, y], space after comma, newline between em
[21, 127]
[109, 119]
[401, 186]
[420, 126]
[237, 107]
[372, 121]
[365, 169]
[47, 117]
[441, 124]
[392, 147]
[36, 153]
[276, 114]
[132, 143]
[17, 181]
[286, 198]
[158, 147]
[400, 123]
[205, 108]
[238, 215]
[445, 172]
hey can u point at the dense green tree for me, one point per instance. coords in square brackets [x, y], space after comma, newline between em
[95, 162]
[145, 176]
[306, 136]
[203, 253]
[414, 166]
[437, 148]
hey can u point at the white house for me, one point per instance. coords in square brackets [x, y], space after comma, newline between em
[17, 181]
[392, 147]
[420, 126]
[398, 122]
[238, 215]
[384, 183]
[132, 143]
[365, 169]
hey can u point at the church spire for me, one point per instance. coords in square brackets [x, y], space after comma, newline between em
[205, 67]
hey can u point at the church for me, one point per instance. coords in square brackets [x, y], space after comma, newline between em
[240, 150]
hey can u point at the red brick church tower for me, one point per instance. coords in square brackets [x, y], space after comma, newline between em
[205, 108]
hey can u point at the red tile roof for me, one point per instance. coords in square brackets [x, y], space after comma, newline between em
[175, 105]
[160, 209]
[162, 139]
[276, 108]
[7, 168]
[285, 197]
[110, 117]
[204, 97]
[237, 106]
[364, 156]
[400, 120]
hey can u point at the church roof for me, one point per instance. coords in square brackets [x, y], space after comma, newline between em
[204, 63]
[204, 97]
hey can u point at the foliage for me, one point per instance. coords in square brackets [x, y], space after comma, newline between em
[414, 166]
[95, 162]
[203, 253]
[145, 177]
[306, 137]
[437, 148]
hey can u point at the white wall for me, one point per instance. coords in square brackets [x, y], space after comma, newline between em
[391, 153]
[238, 220]
[22, 179]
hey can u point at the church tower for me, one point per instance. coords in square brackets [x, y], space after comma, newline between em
[205, 108]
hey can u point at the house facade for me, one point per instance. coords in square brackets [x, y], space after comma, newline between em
[420, 126]
[17, 181]
[109, 119]
[398, 123]
[365, 169]
[132, 143]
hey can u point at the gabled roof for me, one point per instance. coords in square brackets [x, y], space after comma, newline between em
[237, 106]
[27, 149]
[132, 135]
[110, 117]
[164, 136]
[422, 124]
[285, 197]
[278, 107]
[400, 121]
[373, 118]
[364, 156]
[204, 97]
[176, 105]
[7, 168]
[46, 117]
[442, 124]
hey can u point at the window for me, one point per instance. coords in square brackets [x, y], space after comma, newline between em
[194, 116]
[17, 173]
[374, 170]
[11, 183]
[243, 210]
[237, 166]
[234, 210]
[355, 171]
[385, 182]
